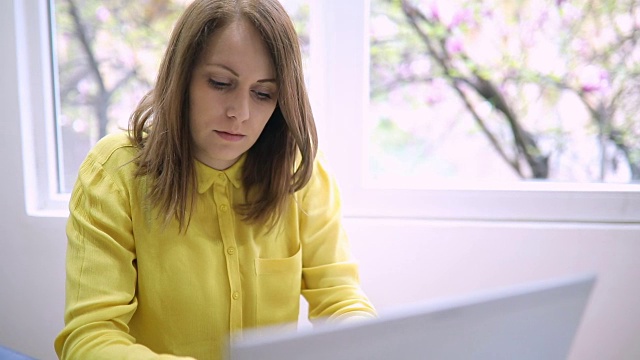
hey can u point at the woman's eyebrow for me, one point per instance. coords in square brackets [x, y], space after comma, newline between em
[225, 67]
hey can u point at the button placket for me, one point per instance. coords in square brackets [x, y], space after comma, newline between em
[226, 223]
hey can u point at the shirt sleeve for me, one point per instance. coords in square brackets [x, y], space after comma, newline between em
[101, 271]
[330, 280]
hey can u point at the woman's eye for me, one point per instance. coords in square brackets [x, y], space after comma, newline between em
[262, 95]
[218, 84]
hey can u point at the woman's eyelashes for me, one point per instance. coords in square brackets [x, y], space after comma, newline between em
[259, 94]
[219, 84]
[262, 95]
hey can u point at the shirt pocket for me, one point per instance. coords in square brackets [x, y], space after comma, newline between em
[278, 283]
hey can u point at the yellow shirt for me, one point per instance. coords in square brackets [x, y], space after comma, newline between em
[135, 289]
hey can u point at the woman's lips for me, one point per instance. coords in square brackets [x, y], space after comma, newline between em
[229, 136]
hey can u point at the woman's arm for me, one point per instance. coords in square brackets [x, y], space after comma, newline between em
[331, 283]
[101, 270]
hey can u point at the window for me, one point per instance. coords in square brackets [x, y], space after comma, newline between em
[108, 54]
[87, 65]
[343, 61]
[35, 65]
[353, 134]
[504, 91]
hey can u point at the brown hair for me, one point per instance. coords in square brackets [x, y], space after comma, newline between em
[160, 127]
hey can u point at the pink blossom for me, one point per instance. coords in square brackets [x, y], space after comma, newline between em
[569, 13]
[434, 12]
[436, 92]
[446, 13]
[103, 14]
[454, 45]
[460, 17]
[594, 79]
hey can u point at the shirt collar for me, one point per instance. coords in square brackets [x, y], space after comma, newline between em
[207, 175]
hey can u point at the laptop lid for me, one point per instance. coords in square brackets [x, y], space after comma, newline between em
[531, 321]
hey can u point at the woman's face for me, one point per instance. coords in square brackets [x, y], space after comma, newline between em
[232, 94]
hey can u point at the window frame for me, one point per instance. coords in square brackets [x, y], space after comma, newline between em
[339, 67]
[36, 80]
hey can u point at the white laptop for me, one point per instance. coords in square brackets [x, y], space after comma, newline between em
[532, 321]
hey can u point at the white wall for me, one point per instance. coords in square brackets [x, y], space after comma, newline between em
[409, 261]
[401, 261]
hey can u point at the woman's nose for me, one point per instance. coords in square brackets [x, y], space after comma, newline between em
[238, 108]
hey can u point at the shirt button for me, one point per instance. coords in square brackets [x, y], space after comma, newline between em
[222, 177]
[224, 208]
[231, 250]
[235, 295]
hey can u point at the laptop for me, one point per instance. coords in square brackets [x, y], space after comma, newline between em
[531, 321]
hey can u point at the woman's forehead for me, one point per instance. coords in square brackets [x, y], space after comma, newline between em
[239, 46]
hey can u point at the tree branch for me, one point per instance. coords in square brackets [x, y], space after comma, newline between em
[526, 145]
[81, 33]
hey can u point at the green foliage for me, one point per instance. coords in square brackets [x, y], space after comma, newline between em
[392, 138]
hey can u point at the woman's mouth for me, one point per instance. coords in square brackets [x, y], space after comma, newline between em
[229, 136]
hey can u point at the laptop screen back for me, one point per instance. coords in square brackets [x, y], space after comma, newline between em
[532, 321]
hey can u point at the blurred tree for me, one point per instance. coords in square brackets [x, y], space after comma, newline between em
[103, 53]
[523, 59]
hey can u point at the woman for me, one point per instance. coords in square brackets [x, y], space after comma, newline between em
[212, 215]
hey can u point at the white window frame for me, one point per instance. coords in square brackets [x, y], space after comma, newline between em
[35, 87]
[339, 94]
